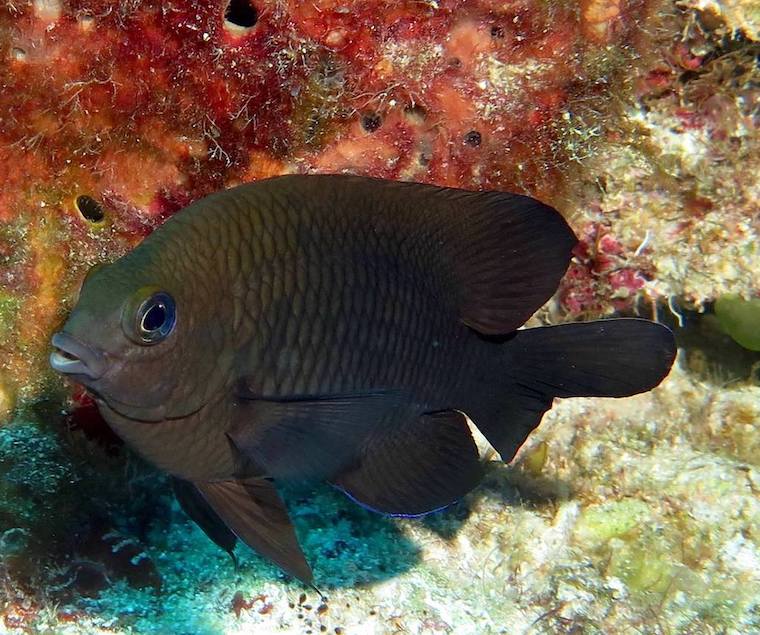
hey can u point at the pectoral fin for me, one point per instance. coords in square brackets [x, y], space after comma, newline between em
[419, 467]
[308, 437]
[254, 511]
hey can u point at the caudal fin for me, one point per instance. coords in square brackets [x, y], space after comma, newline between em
[606, 358]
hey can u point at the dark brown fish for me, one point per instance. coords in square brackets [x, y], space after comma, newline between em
[337, 327]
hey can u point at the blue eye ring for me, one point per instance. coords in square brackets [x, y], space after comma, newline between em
[154, 318]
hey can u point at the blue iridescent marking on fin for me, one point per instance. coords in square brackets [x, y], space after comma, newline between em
[390, 514]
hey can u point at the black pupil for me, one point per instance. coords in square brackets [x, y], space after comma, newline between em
[154, 318]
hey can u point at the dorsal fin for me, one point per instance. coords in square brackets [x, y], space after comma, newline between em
[499, 256]
[502, 254]
[508, 257]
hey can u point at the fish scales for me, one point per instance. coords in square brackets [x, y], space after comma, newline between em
[313, 336]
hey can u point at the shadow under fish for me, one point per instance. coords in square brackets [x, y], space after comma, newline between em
[339, 328]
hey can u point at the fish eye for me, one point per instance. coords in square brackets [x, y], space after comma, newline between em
[154, 319]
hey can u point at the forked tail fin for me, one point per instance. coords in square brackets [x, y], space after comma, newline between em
[606, 358]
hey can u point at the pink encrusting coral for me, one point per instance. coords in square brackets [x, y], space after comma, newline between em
[603, 273]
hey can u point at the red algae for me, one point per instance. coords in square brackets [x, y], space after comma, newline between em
[146, 108]
[604, 275]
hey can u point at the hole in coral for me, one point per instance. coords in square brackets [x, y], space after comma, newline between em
[241, 13]
[371, 122]
[497, 32]
[473, 138]
[415, 114]
[89, 208]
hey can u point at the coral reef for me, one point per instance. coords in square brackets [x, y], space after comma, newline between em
[636, 119]
[675, 182]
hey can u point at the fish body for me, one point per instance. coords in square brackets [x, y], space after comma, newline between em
[337, 328]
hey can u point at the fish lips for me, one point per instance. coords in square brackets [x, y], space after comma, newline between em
[86, 365]
[80, 361]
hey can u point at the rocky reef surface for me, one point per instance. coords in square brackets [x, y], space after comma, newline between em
[637, 119]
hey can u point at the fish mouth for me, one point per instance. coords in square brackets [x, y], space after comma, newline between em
[71, 357]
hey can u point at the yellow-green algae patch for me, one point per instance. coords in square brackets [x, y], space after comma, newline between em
[634, 553]
[740, 319]
[600, 523]
[640, 566]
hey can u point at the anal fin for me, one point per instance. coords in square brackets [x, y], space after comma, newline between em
[255, 513]
[420, 467]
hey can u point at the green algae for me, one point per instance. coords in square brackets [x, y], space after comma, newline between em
[740, 319]
[640, 566]
[535, 460]
[622, 531]
[600, 523]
